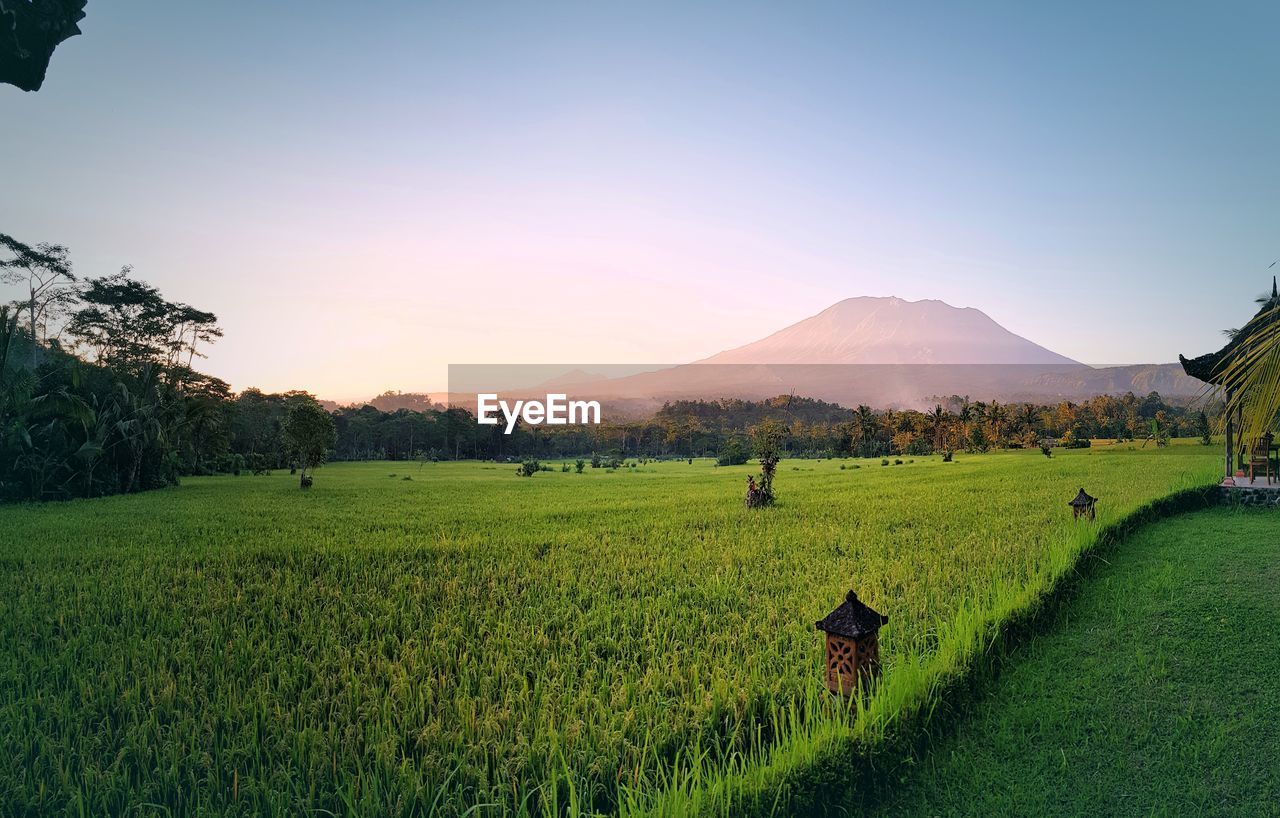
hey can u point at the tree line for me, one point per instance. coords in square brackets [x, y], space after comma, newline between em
[99, 394]
[814, 428]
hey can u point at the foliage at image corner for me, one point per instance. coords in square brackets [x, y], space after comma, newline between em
[30, 30]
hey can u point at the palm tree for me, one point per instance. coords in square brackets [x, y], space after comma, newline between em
[996, 417]
[866, 420]
[1027, 417]
[938, 417]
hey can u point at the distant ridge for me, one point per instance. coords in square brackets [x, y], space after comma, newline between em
[392, 401]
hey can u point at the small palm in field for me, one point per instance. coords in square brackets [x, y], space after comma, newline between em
[1158, 434]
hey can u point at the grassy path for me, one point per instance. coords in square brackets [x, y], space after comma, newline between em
[1157, 691]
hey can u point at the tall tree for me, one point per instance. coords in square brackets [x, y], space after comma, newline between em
[125, 323]
[45, 271]
[190, 328]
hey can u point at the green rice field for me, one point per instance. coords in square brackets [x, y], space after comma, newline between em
[450, 638]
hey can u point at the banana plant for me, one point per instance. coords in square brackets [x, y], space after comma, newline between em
[139, 422]
[16, 383]
[52, 422]
[1158, 434]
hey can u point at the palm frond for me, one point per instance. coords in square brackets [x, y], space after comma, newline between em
[1251, 376]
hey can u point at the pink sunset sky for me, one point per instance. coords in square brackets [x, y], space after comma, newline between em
[364, 201]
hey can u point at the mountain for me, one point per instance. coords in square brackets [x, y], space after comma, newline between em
[892, 331]
[884, 352]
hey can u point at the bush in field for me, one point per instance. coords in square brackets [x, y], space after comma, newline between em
[564, 467]
[733, 453]
[978, 440]
[919, 446]
[1046, 448]
[578, 465]
[767, 439]
[595, 460]
[258, 464]
[872, 448]
[529, 468]
[1159, 434]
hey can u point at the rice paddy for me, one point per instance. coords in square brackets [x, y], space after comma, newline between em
[449, 638]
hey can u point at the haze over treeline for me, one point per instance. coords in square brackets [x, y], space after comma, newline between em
[882, 352]
[100, 393]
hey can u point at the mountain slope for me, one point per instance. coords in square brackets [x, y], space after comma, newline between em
[871, 330]
[884, 352]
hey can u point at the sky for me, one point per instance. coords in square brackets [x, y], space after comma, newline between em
[366, 193]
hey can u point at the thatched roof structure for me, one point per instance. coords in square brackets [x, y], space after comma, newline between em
[1209, 367]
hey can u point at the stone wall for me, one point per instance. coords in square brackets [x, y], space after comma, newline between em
[1240, 495]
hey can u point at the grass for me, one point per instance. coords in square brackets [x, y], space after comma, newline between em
[1154, 694]
[631, 642]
